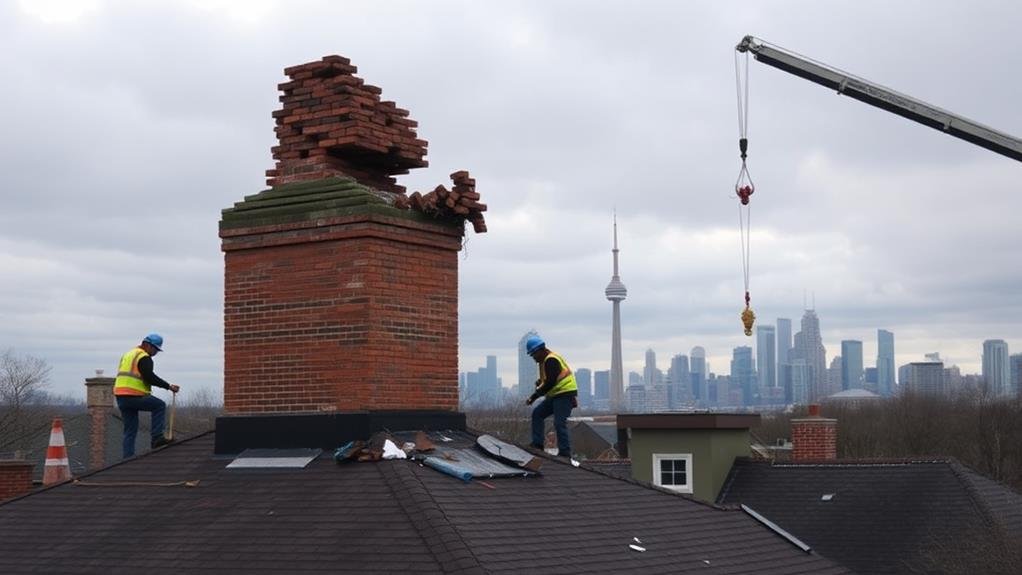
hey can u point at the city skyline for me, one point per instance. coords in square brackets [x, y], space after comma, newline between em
[867, 348]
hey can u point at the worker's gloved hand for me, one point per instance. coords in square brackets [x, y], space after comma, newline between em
[174, 388]
[574, 401]
[530, 399]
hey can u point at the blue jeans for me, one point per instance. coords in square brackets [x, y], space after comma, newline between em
[130, 405]
[560, 407]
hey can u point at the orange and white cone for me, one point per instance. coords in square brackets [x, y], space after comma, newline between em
[57, 468]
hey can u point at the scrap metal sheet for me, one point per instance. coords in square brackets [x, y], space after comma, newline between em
[479, 464]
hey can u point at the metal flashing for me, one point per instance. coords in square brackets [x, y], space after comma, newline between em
[274, 458]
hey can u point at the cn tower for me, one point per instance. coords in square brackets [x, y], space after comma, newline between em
[616, 292]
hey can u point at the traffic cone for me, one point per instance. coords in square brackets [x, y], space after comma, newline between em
[57, 468]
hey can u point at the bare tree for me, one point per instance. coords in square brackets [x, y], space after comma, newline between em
[200, 406]
[23, 382]
[510, 420]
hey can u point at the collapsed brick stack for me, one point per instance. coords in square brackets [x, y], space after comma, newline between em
[333, 123]
[462, 201]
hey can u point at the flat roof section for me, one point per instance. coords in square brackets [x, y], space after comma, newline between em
[687, 421]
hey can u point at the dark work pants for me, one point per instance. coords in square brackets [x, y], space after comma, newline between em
[130, 405]
[560, 407]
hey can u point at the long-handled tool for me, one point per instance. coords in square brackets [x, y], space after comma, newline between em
[173, 408]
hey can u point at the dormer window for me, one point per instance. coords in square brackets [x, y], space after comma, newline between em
[673, 471]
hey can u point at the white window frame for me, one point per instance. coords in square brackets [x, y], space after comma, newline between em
[687, 457]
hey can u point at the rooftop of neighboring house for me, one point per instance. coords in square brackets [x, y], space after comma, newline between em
[383, 516]
[77, 437]
[879, 516]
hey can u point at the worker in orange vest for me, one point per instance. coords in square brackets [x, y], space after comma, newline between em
[133, 390]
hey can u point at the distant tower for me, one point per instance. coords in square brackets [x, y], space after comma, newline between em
[851, 364]
[649, 371]
[616, 293]
[528, 371]
[814, 354]
[996, 370]
[885, 363]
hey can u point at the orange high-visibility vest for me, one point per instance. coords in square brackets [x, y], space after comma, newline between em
[565, 379]
[129, 378]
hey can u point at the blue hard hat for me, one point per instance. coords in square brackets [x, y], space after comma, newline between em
[533, 343]
[155, 340]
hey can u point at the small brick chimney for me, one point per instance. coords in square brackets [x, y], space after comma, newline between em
[15, 478]
[814, 438]
[99, 394]
[341, 293]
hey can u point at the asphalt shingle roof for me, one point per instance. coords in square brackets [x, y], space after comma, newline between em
[882, 515]
[387, 516]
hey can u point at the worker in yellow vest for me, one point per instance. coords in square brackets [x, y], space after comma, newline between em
[133, 390]
[556, 384]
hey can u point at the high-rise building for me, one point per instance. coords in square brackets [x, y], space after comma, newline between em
[783, 340]
[926, 378]
[649, 369]
[678, 392]
[584, 381]
[601, 390]
[528, 369]
[885, 363]
[784, 356]
[635, 378]
[766, 367]
[635, 398]
[800, 381]
[616, 293]
[1015, 372]
[851, 364]
[833, 379]
[809, 346]
[491, 382]
[697, 376]
[996, 371]
[742, 372]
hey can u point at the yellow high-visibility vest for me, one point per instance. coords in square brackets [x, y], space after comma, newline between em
[129, 378]
[565, 379]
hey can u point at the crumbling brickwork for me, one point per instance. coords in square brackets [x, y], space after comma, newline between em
[333, 123]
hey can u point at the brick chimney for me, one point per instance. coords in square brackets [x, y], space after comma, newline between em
[814, 438]
[341, 293]
[99, 397]
[15, 478]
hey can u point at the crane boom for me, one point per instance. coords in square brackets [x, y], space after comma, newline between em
[885, 98]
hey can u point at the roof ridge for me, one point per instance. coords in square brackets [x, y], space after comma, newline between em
[440, 535]
[985, 511]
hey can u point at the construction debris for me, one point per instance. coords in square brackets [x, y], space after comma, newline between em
[460, 202]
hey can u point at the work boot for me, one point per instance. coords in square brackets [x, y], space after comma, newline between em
[159, 441]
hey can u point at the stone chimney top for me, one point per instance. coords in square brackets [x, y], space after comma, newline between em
[99, 394]
[99, 391]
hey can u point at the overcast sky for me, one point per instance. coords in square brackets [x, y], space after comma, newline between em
[128, 126]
